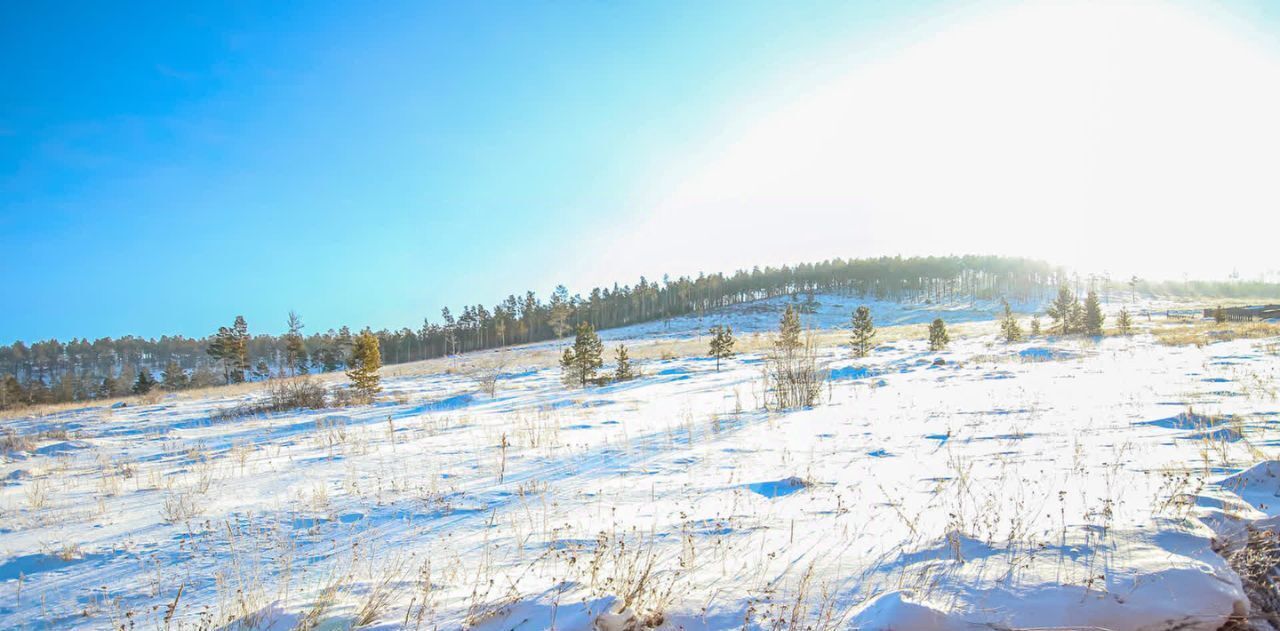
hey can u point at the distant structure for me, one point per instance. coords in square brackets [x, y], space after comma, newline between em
[1247, 314]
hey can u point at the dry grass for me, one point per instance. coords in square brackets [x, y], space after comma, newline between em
[1200, 334]
[11, 441]
[1257, 561]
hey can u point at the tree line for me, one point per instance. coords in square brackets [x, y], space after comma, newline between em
[54, 371]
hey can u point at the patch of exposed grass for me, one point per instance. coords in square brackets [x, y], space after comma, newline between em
[1203, 333]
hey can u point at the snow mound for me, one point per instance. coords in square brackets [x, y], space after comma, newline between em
[1171, 580]
[900, 611]
[1258, 485]
[1265, 474]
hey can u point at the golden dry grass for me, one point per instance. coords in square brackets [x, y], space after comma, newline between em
[1202, 333]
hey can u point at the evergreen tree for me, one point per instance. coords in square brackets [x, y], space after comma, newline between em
[107, 388]
[788, 339]
[580, 361]
[450, 332]
[1124, 323]
[1061, 309]
[295, 350]
[1093, 317]
[241, 348]
[343, 345]
[1035, 325]
[938, 338]
[721, 343]
[261, 371]
[220, 348]
[1220, 315]
[864, 332]
[362, 369]
[11, 393]
[174, 377]
[624, 371]
[230, 347]
[559, 308]
[1009, 326]
[1077, 317]
[144, 383]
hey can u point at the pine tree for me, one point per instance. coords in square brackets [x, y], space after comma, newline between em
[1220, 315]
[1035, 325]
[343, 345]
[220, 349]
[580, 361]
[624, 371]
[1009, 326]
[788, 339]
[1124, 323]
[174, 377]
[1093, 317]
[558, 317]
[12, 393]
[144, 383]
[362, 369]
[240, 348]
[938, 338]
[1062, 308]
[1077, 318]
[864, 332]
[295, 351]
[721, 343]
[230, 347]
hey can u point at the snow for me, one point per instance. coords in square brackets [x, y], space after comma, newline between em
[827, 311]
[1056, 482]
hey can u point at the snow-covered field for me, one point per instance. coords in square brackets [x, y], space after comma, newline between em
[1050, 483]
[828, 311]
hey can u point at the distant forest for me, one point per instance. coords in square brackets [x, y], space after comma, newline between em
[79, 369]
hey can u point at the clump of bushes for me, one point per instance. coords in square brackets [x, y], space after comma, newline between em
[282, 395]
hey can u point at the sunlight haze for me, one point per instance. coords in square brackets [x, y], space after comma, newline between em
[1123, 137]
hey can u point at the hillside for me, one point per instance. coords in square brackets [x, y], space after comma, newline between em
[1020, 485]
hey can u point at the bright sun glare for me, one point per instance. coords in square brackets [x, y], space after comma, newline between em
[1121, 137]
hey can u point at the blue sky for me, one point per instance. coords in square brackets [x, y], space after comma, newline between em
[165, 168]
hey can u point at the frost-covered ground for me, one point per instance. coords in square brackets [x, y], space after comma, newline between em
[1048, 483]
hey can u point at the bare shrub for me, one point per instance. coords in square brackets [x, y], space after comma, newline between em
[292, 394]
[628, 568]
[345, 398]
[792, 378]
[67, 551]
[38, 494]
[485, 373]
[280, 395]
[11, 441]
[179, 507]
